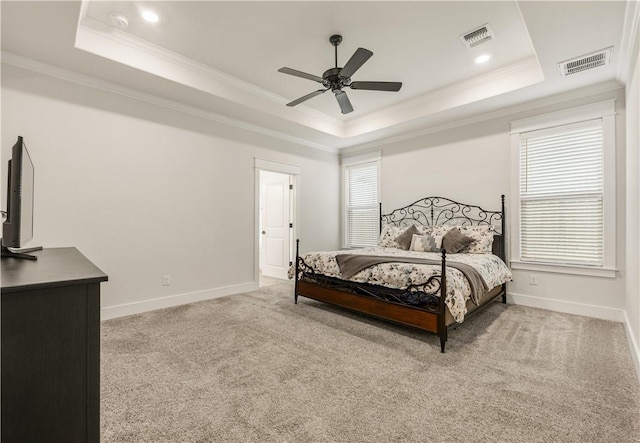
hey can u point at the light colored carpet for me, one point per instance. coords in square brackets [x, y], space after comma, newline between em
[257, 368]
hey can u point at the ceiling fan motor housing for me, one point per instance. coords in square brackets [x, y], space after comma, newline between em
[333, 80]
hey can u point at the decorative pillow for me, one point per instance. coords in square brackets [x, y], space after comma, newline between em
[455, 241]
[439, 232]
[404, 239]
[423, 243]
[389, 234]
[483, 236]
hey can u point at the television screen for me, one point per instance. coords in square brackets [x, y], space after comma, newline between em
[17, 229]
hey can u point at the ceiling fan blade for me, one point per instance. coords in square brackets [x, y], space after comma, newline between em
[290, 71]
[377, 86]
[307, 97]
[343, 101]
[355, 62]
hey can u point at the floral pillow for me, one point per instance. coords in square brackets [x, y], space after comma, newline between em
[483, 236]
[391, 232]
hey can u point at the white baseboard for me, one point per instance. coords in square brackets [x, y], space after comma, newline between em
[109, 312]
[633, 345]
[568, 307]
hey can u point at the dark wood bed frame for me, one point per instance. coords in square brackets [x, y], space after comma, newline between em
[429, 211]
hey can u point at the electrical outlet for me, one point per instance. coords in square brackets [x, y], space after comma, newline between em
[166, 280]
[533, 280]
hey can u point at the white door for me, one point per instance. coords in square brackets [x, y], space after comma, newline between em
[275, 229]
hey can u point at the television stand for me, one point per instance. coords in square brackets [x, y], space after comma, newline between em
[21, 253]
[50, 366]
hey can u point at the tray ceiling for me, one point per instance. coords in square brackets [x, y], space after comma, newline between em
[222, 57]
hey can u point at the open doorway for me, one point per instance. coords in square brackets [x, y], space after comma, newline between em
[275, 238]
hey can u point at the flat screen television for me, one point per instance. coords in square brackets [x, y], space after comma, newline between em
[17, 229]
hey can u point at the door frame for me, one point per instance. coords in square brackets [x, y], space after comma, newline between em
[282, 168]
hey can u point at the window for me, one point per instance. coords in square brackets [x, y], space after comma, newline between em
[561, 195]
[361, 197]
[565, 191]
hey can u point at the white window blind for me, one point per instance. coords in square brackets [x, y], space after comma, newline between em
[361, 205]
[561, 195]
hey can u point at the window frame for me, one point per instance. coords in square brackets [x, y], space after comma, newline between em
[373, 157]
[604, 111]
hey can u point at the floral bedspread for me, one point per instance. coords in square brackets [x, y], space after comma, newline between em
[401, 275]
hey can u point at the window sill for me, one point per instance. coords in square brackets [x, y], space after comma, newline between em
[564, 269]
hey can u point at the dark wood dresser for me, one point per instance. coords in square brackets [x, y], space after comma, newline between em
[50, 370]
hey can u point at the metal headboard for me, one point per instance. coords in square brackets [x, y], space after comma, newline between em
[436, 211]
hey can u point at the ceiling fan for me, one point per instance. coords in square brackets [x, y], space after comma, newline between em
[335, 79]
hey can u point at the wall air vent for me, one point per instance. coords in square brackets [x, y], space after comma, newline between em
[585, 62]
[477, 36]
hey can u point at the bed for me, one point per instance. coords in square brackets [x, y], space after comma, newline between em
[420, 285]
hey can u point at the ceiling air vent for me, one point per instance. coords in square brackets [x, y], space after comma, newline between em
[477, 36]
[585, 62]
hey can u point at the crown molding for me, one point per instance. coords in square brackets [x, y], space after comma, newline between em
[137, 43]
[103, 85]
[629, 46]
[107, 42]
[499, 81]
[531, 105]
[571, 115]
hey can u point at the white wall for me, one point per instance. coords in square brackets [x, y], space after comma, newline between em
[632, 304]
[145, 191]
[471, 164]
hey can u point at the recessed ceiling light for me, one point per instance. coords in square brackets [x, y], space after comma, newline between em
[150, 16]
[119, 20]
[483, 58]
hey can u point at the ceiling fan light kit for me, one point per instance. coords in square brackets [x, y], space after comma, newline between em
[336, 78]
